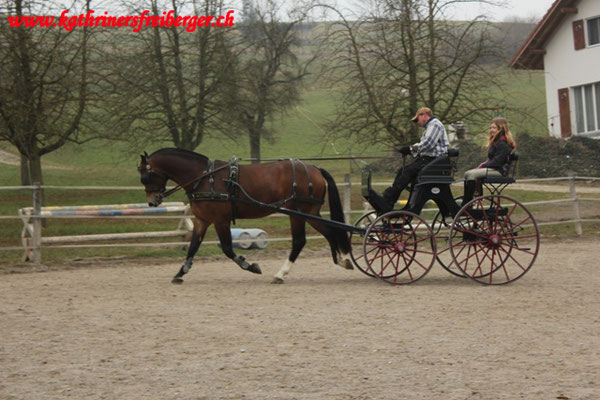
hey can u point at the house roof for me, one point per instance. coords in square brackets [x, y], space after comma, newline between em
[531, 53]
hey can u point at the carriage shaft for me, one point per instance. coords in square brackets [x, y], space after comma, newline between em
[336, 224]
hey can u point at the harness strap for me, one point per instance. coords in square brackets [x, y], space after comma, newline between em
[195, 195]
[210, 170]
[294, 184]
[211, 178]
[202, 196]
[233, 177]
[310, 185]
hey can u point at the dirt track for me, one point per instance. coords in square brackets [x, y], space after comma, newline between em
[123, 331]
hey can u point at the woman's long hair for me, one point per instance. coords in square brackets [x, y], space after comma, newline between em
[503, 130]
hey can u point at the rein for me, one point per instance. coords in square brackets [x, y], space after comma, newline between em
[176, 188]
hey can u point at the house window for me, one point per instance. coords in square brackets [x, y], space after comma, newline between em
[593, 28]
[587, 107]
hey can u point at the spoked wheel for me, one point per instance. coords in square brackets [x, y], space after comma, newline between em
[399, 247]
[441, 229]
[494, 240]
[357, 242]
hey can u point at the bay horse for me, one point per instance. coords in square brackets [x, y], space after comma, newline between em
[221, 191]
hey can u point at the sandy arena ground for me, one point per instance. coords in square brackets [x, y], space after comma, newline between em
[121, 330]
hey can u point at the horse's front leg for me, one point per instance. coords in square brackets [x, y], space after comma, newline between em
[225, 238]
[298, 226]
[198, 233]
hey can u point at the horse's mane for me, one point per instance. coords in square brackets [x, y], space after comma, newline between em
[171, 151]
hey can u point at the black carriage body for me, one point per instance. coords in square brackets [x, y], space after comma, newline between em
[433, 183]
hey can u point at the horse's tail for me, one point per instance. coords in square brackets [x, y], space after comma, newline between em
[342, 238]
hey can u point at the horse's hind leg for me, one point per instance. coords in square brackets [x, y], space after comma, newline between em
[225, 238]
[298, 241]
[340, 258]
[197, 237]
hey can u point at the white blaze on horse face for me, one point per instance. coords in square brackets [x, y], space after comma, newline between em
[285, 269]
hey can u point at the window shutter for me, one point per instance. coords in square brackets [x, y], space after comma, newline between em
[578, 35]
[565, 112]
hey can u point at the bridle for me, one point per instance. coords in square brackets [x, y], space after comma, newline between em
[146, 179]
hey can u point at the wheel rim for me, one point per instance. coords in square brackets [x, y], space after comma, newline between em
[357, 239]
[399, 248]
[494, 240]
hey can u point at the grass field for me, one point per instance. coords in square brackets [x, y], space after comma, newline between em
[299, 134]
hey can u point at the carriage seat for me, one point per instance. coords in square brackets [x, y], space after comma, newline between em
[509, 177]
[441, 170]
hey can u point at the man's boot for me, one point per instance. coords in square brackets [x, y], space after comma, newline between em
[379, 204]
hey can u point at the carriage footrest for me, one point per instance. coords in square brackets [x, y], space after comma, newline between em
[499, 179]
[490, 213]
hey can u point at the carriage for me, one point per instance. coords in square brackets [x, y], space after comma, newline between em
[492, 239]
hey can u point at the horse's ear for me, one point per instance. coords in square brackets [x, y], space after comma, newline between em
[143, 162]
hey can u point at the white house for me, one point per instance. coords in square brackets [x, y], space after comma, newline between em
[566, 45]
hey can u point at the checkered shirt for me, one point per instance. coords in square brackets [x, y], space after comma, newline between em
[434, 141]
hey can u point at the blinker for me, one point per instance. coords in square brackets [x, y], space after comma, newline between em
[146, 179]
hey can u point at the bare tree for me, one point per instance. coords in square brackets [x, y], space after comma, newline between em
[270, 74]
[44, 85]
[404, 55]
[171, 83]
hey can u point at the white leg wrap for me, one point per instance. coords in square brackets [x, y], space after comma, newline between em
[187, 265]
[284, 270]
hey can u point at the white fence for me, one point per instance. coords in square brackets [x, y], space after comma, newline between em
[32, 239]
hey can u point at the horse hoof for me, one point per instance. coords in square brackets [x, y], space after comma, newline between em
[177, 281]
[346, 264]
[277, 281]
[254, 268]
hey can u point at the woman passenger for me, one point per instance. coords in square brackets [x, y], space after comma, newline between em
[500, 145]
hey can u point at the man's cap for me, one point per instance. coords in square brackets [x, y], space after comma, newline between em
[420, 111]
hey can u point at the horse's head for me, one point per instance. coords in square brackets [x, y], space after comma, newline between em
[154, 182]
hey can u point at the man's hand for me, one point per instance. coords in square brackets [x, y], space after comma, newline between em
[404, 150]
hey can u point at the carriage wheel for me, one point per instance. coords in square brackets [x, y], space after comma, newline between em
[494, 240]
[399, 247]
[441, 229]
[357, 241]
